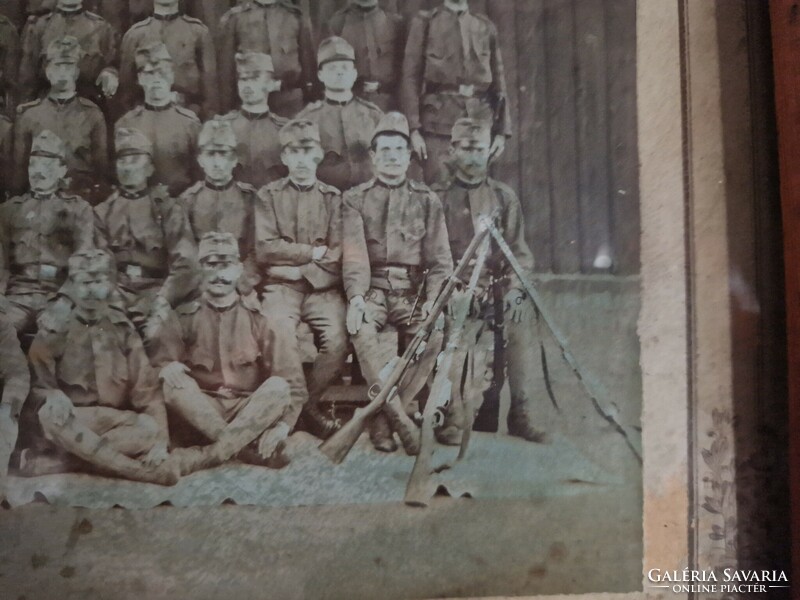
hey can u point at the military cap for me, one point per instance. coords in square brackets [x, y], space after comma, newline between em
[150, 56]
[470, 130]
[299, 132]
[334, 48]
[217, 134]
[253, 62]
[394, 123]
[128, 141]
[66, 49]
[48, 144]
[216, 244]
[91, 261]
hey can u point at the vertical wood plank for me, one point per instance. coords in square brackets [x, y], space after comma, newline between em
[623, 151]
[534, 155]
[561, 118]
[592, 108]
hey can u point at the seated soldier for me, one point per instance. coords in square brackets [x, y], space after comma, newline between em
[299, 232]
[101, 399]
[15, 381]
[229, 382]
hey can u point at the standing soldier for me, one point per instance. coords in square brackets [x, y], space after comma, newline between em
[148, 233]
[255, 125]
[452, 69]
[100, 397]
[77, 121]
[15, 384]
[97, 38]
[39, 231]
[469, 194]
[190, 45]
[396, 255]
[219, 202]
[9, 61]
[299, 247]
[274, 27]
[230, 381]
[345, 121]
[171, 128]
[378, 38]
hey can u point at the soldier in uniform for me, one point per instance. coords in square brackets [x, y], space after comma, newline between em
[345, 121]
[6, 149]
[171, 128]
[39, 230]
[274, 27]
[230, 381]
[219, 202]
[396, 256]
[98, 77]
[452, 69]
[191, 47]
[469, 194]
[255, 125]
[77, 121]
[299, 247]
[9, 61]
[100, 398]
[15, 384]
[378, 38]
[148, 233]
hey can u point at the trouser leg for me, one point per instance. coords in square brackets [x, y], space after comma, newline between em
[9, 429]
[325, 314]
[196, 407]
[128, 432]
[21, 310]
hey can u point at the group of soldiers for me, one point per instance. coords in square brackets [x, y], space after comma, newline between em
[174, 294]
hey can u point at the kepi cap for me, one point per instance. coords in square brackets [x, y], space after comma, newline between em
[217, 134]
[48, 144]
[253, 63]
[91, 261]
[394, 123]
[466, 129]
[334, 48]
[299, 132]
[151, 56]
[129, 141]
[223, 246]
[66, 49]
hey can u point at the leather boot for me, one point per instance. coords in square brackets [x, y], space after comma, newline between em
[319, 424]
[380, 434]
[401, 423]
[519, 425]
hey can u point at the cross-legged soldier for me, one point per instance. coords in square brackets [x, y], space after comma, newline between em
[230, 381]
[171, 128]
[345, 121]
[190, 44]
[396, 256]
[452, 69]
[255, 125]
[299, 248]
[99, 396]
[77, 121]
[469, 194]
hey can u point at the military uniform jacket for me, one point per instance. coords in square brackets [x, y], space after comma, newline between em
[41, 234]
[98, 364]
[291, 222]
[14, 374]
[6, 145]
[445, 51]
[77, 121]
[9, 61]
[258, 146]
[378, 39]
[150, 231]
[173, 130]
[97, 39]
[232, 349]
[345, 130]
[280, 30]
[463, 205]
[192, 50]
[117, 12]
[400, 226]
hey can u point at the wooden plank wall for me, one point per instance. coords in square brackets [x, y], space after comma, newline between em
[571, 68]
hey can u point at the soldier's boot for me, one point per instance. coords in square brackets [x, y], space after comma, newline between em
[320, 424]
[380, 434]
[77, 439]
[520, 424]
[196, 458]
[9, 428]
[401, 423]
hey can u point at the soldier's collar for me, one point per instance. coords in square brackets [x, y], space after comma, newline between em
[69, 13]
[302, 188]
[266, 2]
[167, 106]
[47, 196]
[339, 102]
[132, 195]
[468, 186]
[224, 305]
[389, 186]
[170, 17]
[255, 116]
[455, 11]
[64, 101]
[364, 9]
[219, 188]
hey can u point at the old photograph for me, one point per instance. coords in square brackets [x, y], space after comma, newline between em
[321, 254]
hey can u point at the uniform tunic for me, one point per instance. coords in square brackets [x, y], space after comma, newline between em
[258, 146]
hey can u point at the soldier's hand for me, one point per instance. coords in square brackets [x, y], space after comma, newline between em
[418, 145]
[174, 374]
[355, 314]
[58, 407]
[515, 306]
[108, 82]
[157, 455]
[270, 440]
[498, 146]
[318, 252]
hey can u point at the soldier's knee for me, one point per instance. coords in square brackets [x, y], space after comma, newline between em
[147, 428]
[274, 388]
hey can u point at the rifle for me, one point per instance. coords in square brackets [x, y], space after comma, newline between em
[418, 490]
[340, 443]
